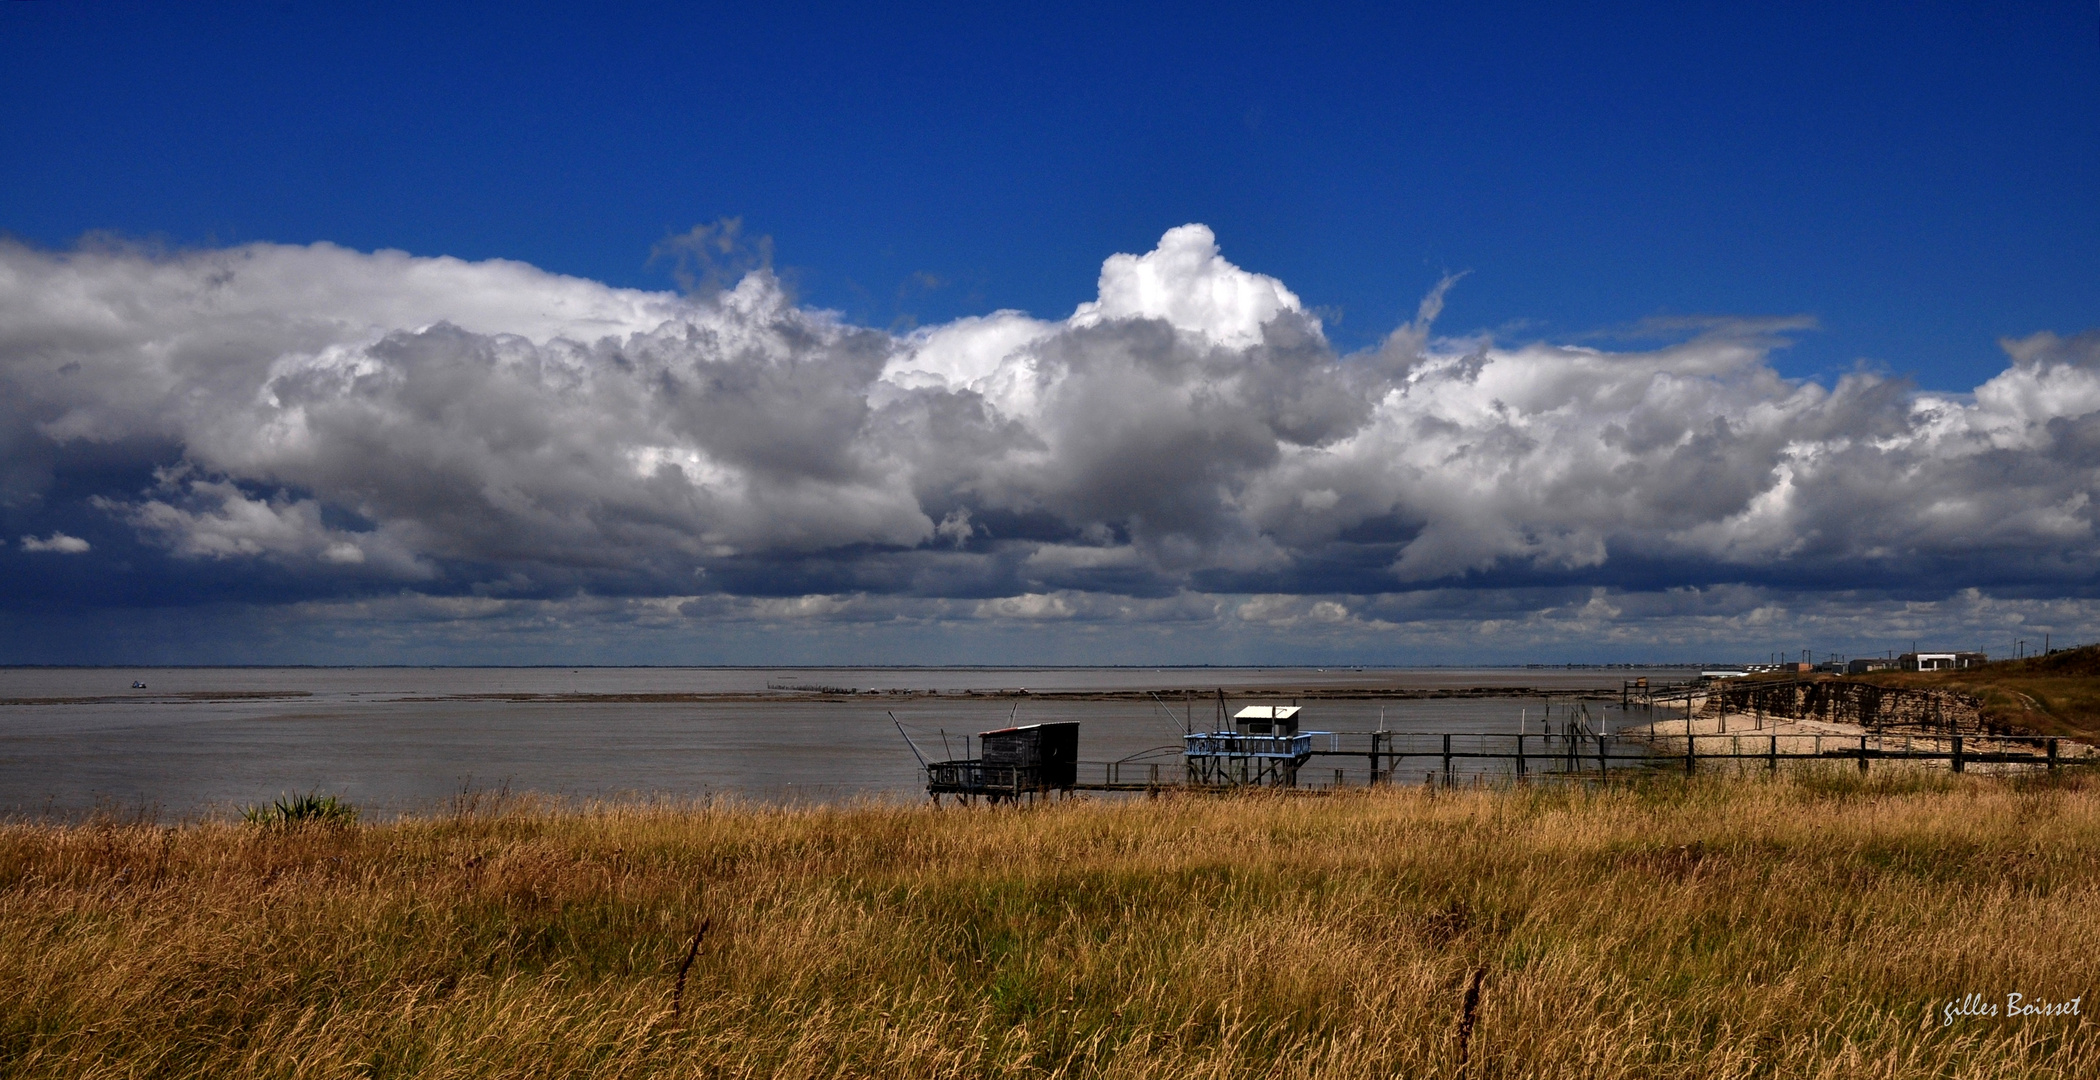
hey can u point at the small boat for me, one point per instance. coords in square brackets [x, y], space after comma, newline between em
[137, 685]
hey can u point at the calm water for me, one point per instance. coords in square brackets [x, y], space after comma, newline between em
[404, 739]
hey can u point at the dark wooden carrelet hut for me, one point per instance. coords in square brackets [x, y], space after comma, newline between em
[1012, 762]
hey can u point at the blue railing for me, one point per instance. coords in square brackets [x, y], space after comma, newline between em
[1237, 744]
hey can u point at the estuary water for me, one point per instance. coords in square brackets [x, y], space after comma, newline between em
[196, 742]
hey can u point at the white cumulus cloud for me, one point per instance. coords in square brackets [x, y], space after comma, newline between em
[489, 427]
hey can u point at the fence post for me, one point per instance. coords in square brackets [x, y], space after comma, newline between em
[1520, 753]
[1772, 758]
[1957, 754]
[1447, 761]
[2052, 755]
[1690, 740]
[1603, 763]
[1863, 755]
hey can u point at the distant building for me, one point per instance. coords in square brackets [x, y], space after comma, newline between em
[1940, 661]
[1870, 663]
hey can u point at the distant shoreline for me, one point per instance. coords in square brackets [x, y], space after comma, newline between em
[865, 667]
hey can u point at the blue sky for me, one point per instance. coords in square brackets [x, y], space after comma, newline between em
[1922, 178]
[1740, 204]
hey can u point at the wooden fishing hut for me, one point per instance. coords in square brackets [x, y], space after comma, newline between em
[1262, 748]
[1012, 762]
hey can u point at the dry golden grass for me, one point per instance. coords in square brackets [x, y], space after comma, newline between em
[1810, 926]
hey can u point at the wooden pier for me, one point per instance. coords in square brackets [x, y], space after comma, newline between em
[1386, 757]
[1265, 749]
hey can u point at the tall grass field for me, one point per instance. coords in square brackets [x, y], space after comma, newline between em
[1814, 925]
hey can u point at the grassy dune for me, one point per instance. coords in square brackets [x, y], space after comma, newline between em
[1812, 926]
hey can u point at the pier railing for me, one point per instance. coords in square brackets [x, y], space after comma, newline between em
[1387, 754]
[1237, 744]
[974, 777]
[1383, 757]
[1388, 757]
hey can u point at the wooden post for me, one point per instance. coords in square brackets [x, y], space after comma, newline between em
[1957, 754]
[1374, 758]
[1447, 761]
[1603, 763]
[1863, 755]
[1690, 740]
[1520, 753]
[1772, 756]
[2052, 755]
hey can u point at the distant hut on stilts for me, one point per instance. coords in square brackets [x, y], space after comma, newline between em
[1012, 762]
[1262, 748]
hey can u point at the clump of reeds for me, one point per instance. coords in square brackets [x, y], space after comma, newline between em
[1796, 927]
[312, 808]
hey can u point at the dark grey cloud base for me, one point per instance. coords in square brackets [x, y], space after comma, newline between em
[376, 456]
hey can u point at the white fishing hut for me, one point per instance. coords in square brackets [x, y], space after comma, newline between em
[1262, 748]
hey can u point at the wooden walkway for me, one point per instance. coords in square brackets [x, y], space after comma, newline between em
[1384, 757]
